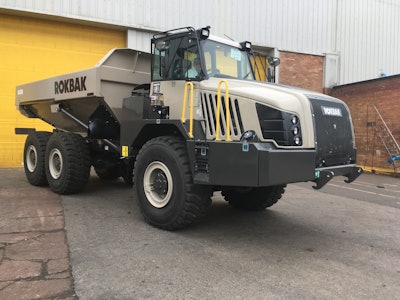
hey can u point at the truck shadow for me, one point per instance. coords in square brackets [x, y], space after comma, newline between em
[273, 229]
[277, 227]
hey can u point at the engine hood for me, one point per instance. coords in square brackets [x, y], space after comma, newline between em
[281, 97]
[261, 91]
[287, 99]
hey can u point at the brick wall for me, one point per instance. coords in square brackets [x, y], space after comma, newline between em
[384, 93]
[301, 70]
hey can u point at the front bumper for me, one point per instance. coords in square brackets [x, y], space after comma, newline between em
[259, 164]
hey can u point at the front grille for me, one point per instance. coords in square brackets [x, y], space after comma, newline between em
[276, 125]
[209, 108]
[333, 133]
[272, 124]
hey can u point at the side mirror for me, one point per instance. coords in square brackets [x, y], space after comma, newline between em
[161, 46]
[274, 61]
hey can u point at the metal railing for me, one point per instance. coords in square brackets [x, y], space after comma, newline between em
[184, 104]
[385, 135]
[218, 112]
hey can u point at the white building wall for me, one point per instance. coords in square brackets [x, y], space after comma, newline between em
[362, 33]
[302, 26]
[139, 40]
[368, 39]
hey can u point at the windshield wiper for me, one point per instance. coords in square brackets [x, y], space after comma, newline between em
[219, 75]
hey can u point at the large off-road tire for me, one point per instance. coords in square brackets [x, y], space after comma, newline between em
[164, 186]
[34, 154]
[127, 171]
[253, 199]
[67, 163]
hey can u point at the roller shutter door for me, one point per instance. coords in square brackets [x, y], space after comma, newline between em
[33, 49]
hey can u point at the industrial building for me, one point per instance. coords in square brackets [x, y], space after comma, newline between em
[329, 46]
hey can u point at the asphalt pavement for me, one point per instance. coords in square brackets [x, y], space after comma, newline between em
[311, 245]
[341, 242]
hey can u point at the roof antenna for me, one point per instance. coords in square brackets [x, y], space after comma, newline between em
[229, 37]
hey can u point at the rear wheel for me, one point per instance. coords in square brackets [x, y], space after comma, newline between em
[253, 199]
[164, 186]
[67, 163]
[34, 156]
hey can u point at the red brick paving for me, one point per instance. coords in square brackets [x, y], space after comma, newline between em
[34, 258]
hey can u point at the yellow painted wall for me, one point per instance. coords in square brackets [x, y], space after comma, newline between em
[33, 49]
[261, 62]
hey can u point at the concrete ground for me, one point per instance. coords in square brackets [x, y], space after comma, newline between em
[340, 242]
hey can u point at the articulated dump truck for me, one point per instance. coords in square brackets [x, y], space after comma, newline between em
[185, 121]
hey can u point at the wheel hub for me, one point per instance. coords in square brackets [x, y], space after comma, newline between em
[55, 163]
[160, 184]
[31, 158]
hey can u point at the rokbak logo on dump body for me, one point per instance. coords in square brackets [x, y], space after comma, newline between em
[77, 84]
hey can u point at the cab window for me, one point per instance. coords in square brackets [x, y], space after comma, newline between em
[176, 59]
[223, 60]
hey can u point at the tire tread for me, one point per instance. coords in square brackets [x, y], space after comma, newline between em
[198, 198]
[39, 140]
[255, 199]
[77, 162]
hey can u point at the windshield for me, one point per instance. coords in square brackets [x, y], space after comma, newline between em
[222, 60]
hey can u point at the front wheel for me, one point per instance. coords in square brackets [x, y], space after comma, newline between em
[253, 199]
[164, 186]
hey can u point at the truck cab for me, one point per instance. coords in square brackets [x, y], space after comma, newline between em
[308, 136]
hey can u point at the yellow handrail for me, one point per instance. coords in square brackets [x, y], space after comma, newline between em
[227, 115]
[183, 118]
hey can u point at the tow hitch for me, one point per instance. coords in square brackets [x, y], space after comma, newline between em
[324, 175]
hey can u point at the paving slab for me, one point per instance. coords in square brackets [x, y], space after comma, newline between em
[15, 270]
[37, 289]
[34, 254]
[50, 245]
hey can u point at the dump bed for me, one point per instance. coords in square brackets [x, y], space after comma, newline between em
[80, 93]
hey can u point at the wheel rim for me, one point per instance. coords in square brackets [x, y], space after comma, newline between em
[55, 163]
[31, 158]
[158, 184]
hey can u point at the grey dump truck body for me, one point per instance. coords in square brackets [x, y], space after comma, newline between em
[216, 130]
[107, 83]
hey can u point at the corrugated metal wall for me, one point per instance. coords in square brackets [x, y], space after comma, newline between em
[362, 32]
[368, 39]
[302, 26]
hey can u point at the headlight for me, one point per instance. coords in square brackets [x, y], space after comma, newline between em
[284, 128]
[297, 140]
[296, 130]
